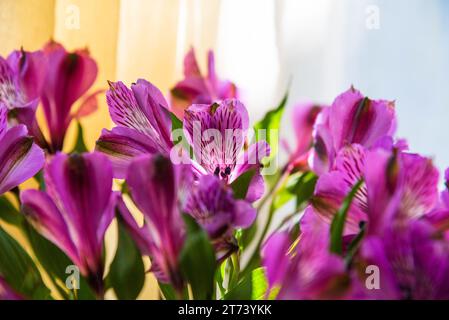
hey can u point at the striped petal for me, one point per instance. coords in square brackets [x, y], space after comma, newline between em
[20, 158]
[122, 145]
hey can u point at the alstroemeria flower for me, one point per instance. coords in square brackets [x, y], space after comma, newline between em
[143, 126]
[213, 206]
[68, 78]
[306, 270]
[439, 216]
[76, 209]
[396, 183]
[22, 76]
[6, 292]
[304, 116]
[352, 118]
[217, 134]
[413, 262]
[197, 88]
[154, 183]
[20, 157]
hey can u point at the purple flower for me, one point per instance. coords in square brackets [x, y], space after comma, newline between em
[76, 209]
[154, 183]
[217, 134]
[6, 292]
[413, 262]
[306, 269]
[143, 125]
[212, 205]
[20, 158]
[352, 118]
[439, 216]
[304, 117]
[398, 184]
[197, 88]
[22, 77]
[69, 76]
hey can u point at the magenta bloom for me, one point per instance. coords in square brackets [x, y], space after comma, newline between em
[396, 183]
[69, 75]
[143, 124]
[20, 157]
[306, 270]
[212, 205]
[76, 209]
[217, 134]
[352, 118]
[439, 216]
[154, 183]
[197, 88]
[304, 117]
[413, 261]
[22, 77]
[6, 292]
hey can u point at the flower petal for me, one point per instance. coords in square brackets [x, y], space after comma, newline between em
[420, 185]
[122, 145]
[217, 132]
[30, 68]
[20, 158]
[275, 257]
[81, 187]
[356, 119]
[42, 212]
[3, 119]
[69, 76]
[153, 184]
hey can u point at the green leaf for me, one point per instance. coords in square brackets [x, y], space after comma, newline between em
[197, 260]
[39, 177]
[252, 287]
[304, 188]
[299, 186]
[19, 270]
[80, 146]
[168, 291]
[355, 243]
[175, 122]
[55, 262]
[240, 185]
[338, 223]
[271, 121]
[247, 236]
[9, 213]
[127, 273]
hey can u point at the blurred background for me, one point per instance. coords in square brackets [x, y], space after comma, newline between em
[397, 50]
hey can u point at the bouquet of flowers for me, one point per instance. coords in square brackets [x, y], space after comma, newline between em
[186, 181]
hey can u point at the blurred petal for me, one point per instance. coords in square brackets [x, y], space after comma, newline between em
[304, 116]
[3, 119]
[275, 257]
[69, 76]
[6, 292]
[89, 105]
[30, 68]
